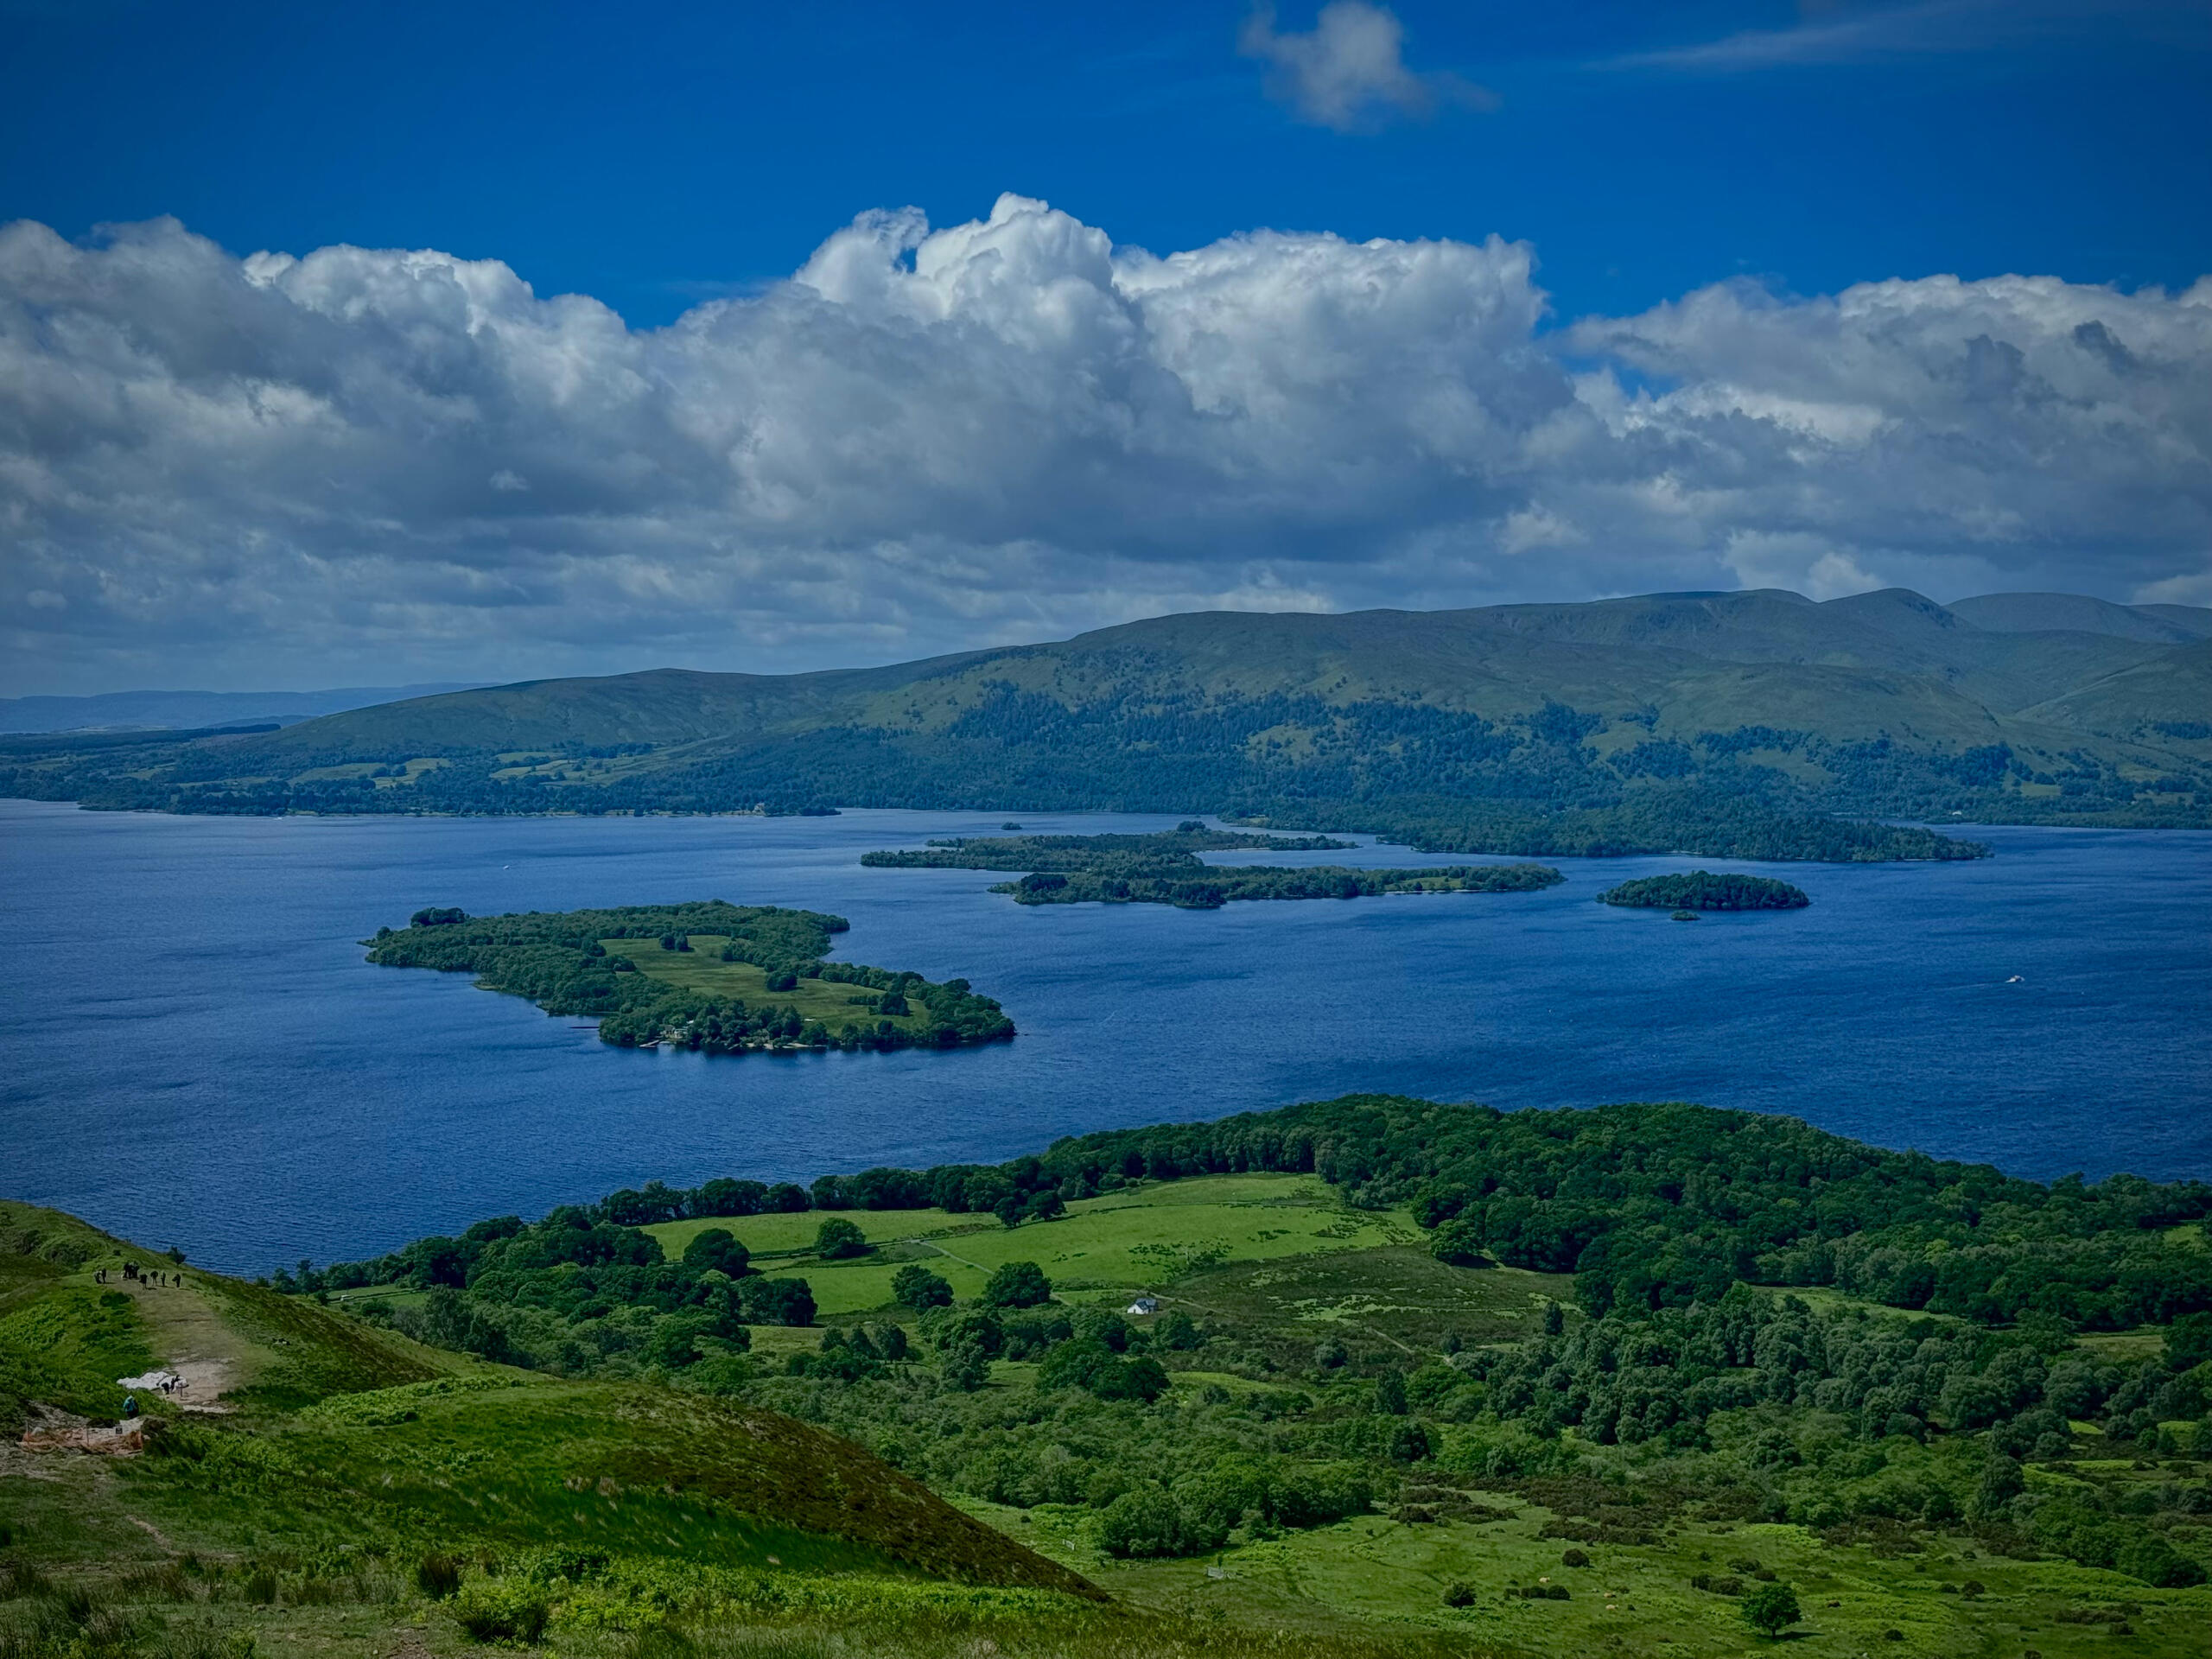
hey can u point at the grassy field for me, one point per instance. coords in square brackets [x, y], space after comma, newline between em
[1639, 1599]
[702, 969]
[1106, 1248]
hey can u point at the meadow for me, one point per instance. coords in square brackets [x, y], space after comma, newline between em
[702, 969]
[1105, 1250]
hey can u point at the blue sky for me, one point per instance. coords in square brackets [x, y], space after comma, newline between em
[230, 472]
[650, 154]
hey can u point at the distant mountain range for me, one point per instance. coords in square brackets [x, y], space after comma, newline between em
[1709, 721]
[160, 710]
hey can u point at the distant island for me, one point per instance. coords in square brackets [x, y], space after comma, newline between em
[713, 977]
[1165, 869]
[1702, 890]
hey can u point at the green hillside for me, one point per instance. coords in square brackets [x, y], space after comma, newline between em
[1535, 1382]
[1720, 723]
[320, 1482]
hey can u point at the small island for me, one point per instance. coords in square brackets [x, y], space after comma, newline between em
[1684, 895]
[1166, 870]
[712, 976]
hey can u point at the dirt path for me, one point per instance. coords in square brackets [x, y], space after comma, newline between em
[194, 1341]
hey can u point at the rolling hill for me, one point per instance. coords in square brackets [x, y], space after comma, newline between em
[1656, 721]
[319, 1446]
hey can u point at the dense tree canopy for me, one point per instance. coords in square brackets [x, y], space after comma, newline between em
[1166, 870]
[1702, 890]
[562, 963]
[1913, 1401]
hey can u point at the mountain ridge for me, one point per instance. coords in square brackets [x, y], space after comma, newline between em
[1687, 708]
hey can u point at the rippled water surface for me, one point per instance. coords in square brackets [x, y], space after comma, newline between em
[195, 1052]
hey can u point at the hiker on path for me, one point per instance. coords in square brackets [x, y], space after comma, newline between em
[130, 1406]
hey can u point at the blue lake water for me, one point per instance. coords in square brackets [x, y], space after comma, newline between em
[195, 1052]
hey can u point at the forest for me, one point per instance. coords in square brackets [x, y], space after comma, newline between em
[662, 989]
[1762, 1322]
[1703, 890]
[1432, 778]
[1166, 870]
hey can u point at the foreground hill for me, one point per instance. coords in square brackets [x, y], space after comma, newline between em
[310, 1461]
[1699, 722]
[1550, 1383]
[1366, 1377]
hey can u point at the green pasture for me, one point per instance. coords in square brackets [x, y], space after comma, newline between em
[702, 969]
[1117, 1243]
[1640, 1596]
[1637, 1599]
[1391, 1297]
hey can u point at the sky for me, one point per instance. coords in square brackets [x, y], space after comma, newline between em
[378, 343]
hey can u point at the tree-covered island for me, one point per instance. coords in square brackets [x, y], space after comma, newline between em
[1166, 870]
[723, 978]
[1703, 890]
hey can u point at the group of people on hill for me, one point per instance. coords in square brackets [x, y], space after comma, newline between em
[162, 1279]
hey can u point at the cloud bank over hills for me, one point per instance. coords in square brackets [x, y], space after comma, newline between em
[239, 471]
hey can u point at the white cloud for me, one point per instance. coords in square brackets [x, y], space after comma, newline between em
[1873, 31]
[302, 470]
[1349, 71]
[2192, 587]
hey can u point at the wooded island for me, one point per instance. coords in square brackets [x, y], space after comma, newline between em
[1702, 890]
[721, 978]
[1166, 870]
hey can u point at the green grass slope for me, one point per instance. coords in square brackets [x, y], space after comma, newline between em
[349, 1493]
[308, 1426]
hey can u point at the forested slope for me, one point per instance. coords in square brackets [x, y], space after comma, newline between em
[1744, 724]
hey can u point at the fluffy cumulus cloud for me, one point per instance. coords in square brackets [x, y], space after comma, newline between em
[216, 470]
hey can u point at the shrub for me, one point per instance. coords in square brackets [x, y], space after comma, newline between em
[1458, 1593]
[496, 1612]
[1458, 1244]
[1146, 1522]
[1174, 1330]
[437, 1576]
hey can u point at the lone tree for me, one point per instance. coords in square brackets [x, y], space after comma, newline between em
[839, 1240]
[715, 1249]
[1771, 1608]
[1017, 1284]
[914, 1286]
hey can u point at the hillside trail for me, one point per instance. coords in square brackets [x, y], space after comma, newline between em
[207, 1357]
